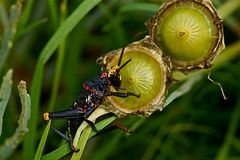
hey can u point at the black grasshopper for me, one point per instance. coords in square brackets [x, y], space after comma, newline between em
[93, 93]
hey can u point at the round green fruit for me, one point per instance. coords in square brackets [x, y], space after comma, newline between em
[189, 32]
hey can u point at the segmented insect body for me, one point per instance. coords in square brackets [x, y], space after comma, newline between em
[93, 93]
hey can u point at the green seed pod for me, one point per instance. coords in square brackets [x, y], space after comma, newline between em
[146, 74]
[189, 32]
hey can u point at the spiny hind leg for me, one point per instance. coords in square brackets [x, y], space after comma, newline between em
[69, 140]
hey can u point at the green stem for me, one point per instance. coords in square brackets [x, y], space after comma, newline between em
[53, 12]
[26, 13]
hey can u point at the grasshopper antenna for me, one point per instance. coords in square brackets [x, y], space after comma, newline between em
[120, 58]
[124, 65]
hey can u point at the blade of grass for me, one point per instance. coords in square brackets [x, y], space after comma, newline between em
[12, 143]
[46, 53]
[167, 129]
[30, 27]
[42, 142]
[5, 93]
[58, 153]
[53, 12]
[229, 138]
[26, 13]
[60, 58]
[191, 127]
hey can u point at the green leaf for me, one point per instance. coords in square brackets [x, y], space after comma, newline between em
[26, 13]
[5, 93]
[11, 143]
[42, 142]
[58, 153]
[52, 4]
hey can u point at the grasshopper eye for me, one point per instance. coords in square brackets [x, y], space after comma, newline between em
[104, 74]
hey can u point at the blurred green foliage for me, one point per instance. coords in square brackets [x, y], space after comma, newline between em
[199, 125]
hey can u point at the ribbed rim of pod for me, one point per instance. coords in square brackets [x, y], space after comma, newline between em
[146, 75]
[189, 32]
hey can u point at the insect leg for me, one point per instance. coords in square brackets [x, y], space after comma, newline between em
[112, 128]
[123, 128]
[66, 114]
[64, 137]
[124, 95]
[91, 124]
